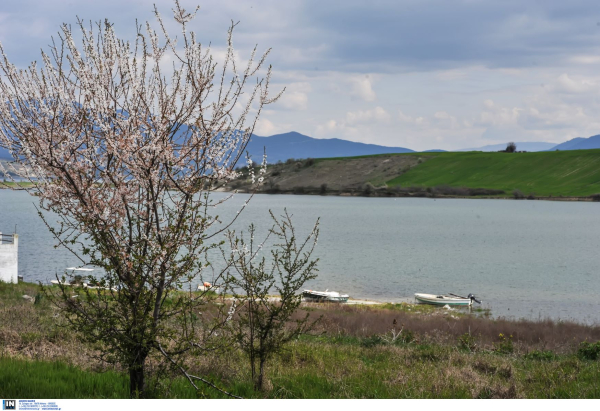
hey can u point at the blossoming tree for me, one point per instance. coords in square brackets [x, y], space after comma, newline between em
[123, 141]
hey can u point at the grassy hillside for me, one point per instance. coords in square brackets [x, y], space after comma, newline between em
[556, 173]
[567, 173]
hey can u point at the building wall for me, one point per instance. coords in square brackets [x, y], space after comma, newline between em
[9, 261]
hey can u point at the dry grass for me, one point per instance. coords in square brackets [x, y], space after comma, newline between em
[343, 360]
[439, 326]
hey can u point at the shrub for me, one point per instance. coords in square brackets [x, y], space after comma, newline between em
[299, 190]
[323, 189]
[595, 197]
[511, 147]
[589, 351]
[467, 342]
[309, 162]
[531, 196]
[504, 344]
[540, 355]
[372, 341]
[368, 189]
[518, 194]
[273, 189]
[406, 337]
[485, 191]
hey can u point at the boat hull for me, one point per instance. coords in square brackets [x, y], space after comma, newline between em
[442, 300]
[318, 296]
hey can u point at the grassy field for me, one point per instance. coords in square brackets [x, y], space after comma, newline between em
[566, 173]
[437, 354]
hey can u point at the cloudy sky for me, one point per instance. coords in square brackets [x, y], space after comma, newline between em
[420, 74]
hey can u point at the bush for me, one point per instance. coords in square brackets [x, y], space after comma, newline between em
[589, 351]
[504, 344]
[511, 147]
[486, 191]
[518, 194]
[595, 197]
[299, 190]
[406, 337]
[273, 189]
[368, 189]
[467, 342]
[323, 189]
[531, 196]
[372, 341]
[540, 355]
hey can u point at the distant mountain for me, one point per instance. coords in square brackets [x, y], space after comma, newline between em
[579, 143]
[435, 150]
[281, 147]
[524, 146]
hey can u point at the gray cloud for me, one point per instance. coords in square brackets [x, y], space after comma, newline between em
[434, 62]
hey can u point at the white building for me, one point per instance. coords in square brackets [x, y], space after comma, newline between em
[9, 258]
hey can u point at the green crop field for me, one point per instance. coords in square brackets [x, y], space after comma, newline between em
[555, 173]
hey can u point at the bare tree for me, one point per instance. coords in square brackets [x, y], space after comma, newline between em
[264, 324]
[125, 149]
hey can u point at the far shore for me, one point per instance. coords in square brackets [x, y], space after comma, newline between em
[11, 186]
[435, 197]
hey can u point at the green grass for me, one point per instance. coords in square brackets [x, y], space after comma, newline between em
[556, 173]
[40, 379]
[325, 369]
[39, 359]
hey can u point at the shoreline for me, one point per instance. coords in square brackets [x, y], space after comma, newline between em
[434, 197]
[386, 194]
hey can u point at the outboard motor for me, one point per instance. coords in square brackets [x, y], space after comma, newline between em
[473, 298]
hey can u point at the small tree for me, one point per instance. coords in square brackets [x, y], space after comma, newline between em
[265, 324]
[124, 150]
[323, 189]
[511, 147]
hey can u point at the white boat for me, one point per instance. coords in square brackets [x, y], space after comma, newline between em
[450, 299]
[58, 282]
[73, 282]
[324, 296]
[206, 286]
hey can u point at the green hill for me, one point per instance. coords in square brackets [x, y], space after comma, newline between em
[566, 173]
[551, 173]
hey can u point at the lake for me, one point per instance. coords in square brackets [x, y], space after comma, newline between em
[525, 259]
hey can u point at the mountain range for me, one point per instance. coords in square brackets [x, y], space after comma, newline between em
[579, 143]
[281, 147]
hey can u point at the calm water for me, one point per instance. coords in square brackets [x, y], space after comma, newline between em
[530, 259]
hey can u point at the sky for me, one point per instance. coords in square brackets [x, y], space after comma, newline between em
[423, 74]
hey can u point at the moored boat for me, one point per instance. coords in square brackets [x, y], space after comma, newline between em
[324, 296]
[206, 286]
[449, 299]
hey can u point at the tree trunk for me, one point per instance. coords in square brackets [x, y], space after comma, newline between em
[261, 374]
[137, 383]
